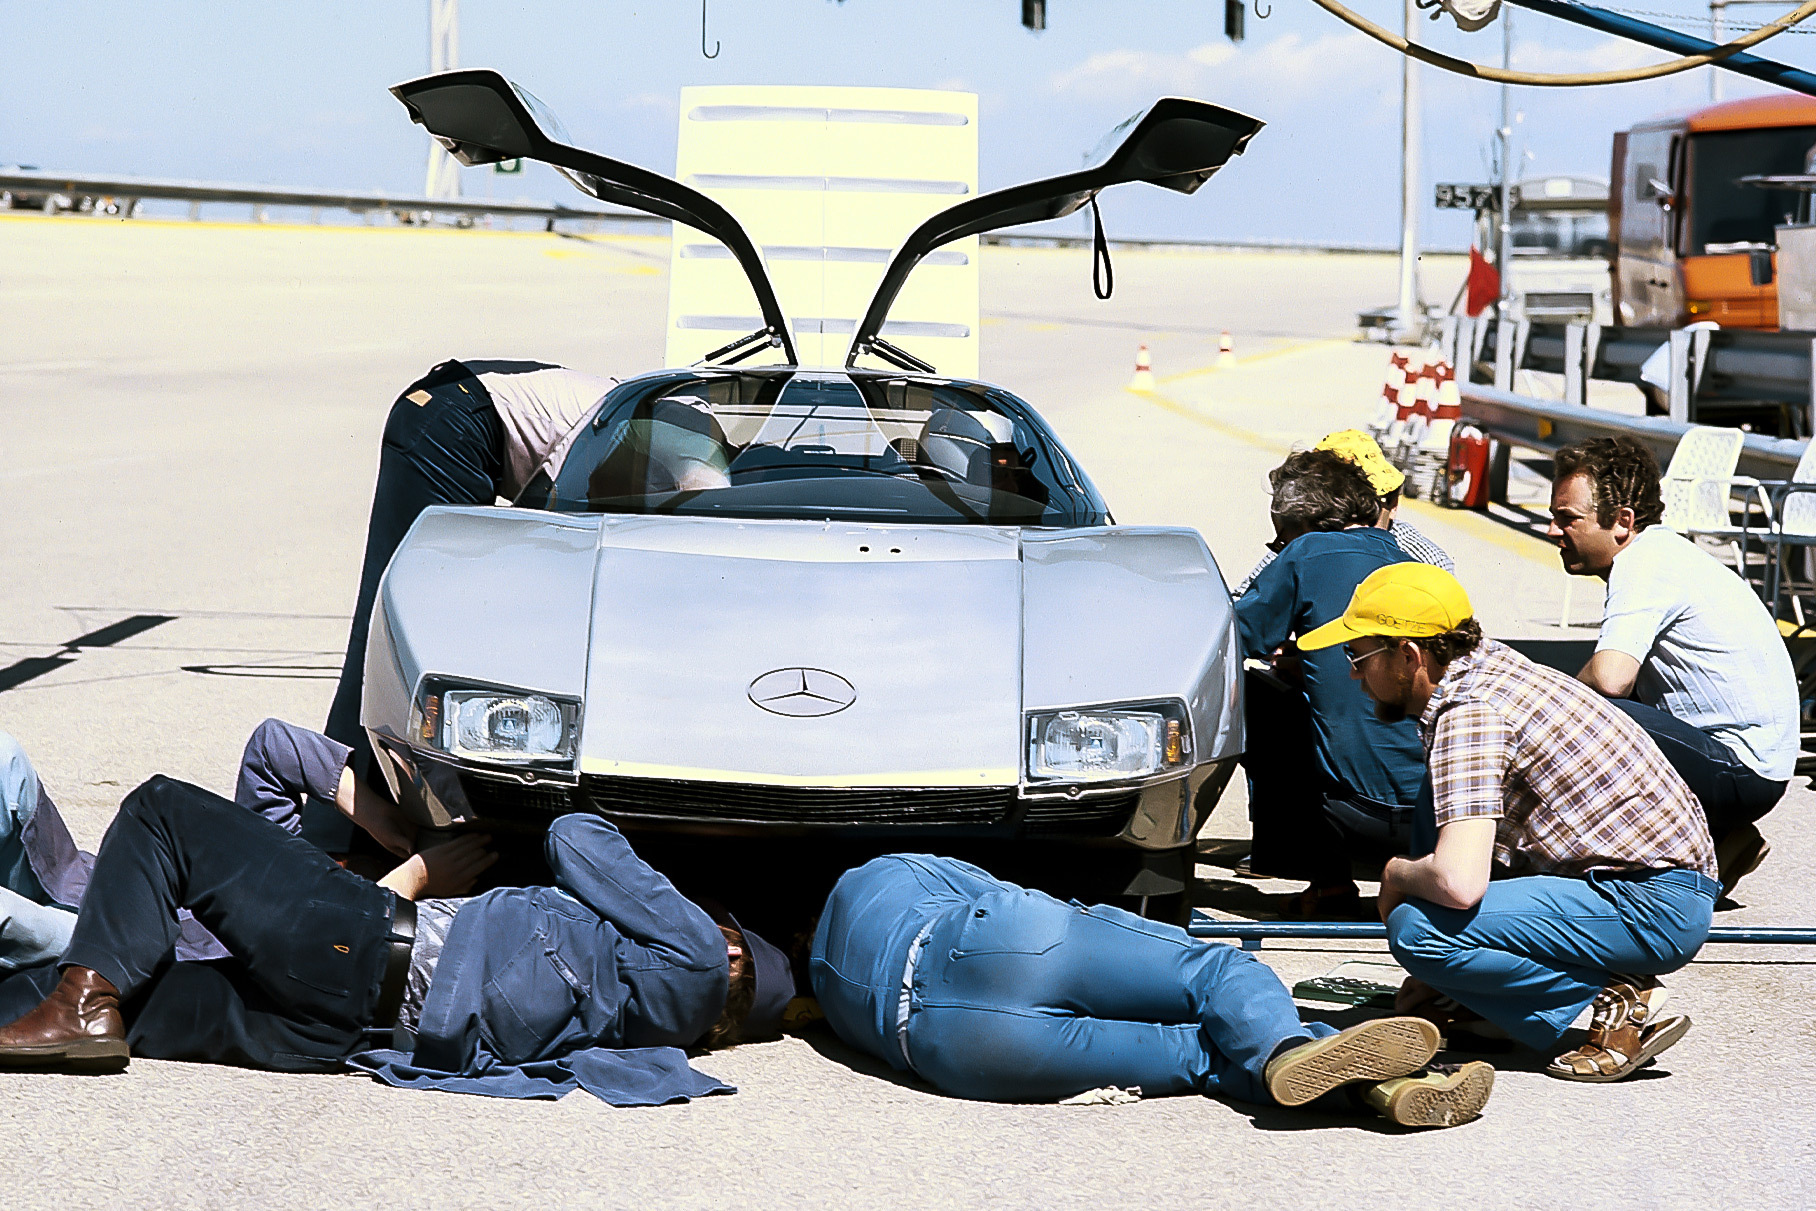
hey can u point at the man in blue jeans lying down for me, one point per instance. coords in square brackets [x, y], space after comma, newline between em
[988, 990]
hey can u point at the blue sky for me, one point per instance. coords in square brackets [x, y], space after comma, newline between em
[294, 93]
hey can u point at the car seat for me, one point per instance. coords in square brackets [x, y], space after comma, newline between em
[959, 442]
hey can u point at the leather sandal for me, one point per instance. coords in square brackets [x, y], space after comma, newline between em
[1626, 1032]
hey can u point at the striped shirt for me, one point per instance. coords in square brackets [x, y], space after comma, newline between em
[1574, 784]
[1415, 544]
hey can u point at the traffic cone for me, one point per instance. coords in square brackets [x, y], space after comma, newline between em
[1392, 385]
[1144, 371]
[1449, 404]
[1226, 352]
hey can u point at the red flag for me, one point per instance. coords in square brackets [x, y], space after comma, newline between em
[1484, 284]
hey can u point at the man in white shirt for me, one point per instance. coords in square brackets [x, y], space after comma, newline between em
[1685, 646]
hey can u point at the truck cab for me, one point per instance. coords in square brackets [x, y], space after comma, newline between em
[1691, 241]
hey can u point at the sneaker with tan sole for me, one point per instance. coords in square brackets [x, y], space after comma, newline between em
[1373, 1051]
[1442, 1096]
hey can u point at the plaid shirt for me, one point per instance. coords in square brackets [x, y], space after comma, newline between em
[1415, 544]
[1574, 784]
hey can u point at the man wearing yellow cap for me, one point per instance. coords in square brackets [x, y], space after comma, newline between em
[1387, 480]
[1606, 870]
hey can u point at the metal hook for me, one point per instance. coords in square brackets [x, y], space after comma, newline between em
[714, 52]
[1261, 15]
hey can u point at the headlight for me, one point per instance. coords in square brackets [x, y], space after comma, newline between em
[1101, 744]
[497, 725]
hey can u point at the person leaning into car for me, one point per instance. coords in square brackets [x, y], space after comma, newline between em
[1325, 776]
[466, 433]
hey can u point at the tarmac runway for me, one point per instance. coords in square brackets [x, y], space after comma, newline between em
[192, 414]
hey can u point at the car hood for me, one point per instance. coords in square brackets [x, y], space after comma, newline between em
[805, 653]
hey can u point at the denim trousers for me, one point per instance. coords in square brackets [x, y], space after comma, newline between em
[308, 938]
[448, 450]
[1536, 950]
[1018, 997]
[1731, 794]
[32, 930]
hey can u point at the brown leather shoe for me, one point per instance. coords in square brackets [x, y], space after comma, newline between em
[77, 1025]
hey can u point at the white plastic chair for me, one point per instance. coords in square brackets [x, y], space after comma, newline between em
[1788, 514]
[1699, 484]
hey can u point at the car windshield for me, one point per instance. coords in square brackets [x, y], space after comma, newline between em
[813, 445]
[1560, 233]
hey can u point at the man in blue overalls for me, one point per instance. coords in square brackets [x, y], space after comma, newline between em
[987, 990]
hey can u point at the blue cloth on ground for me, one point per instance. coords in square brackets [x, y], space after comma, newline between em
[594, 983]
[634, 1076]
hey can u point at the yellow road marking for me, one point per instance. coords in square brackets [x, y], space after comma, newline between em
[1264, 355]
[1467, 520]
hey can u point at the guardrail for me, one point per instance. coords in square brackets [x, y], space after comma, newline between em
[1546, 426]
[131, 189]
[1710, 376]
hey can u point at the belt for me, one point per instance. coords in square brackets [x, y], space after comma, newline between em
[400, 939]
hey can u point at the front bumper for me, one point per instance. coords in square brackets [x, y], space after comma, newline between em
[441, 793]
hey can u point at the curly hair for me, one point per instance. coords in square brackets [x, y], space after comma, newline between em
[1321, 490]
[1454, 643]
[1622, 475]
[728, 1031]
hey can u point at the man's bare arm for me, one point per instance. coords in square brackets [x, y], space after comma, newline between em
[1610, 673]
[1455, 875]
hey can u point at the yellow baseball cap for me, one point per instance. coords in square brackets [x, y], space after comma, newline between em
[1401, 601]
[1361, 449]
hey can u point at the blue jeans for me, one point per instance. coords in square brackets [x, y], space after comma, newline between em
[446, 451]
[32, 931]
[1731, 794]
[1537, 949]
[1020, 998]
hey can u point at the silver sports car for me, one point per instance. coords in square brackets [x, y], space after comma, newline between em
[870, 603]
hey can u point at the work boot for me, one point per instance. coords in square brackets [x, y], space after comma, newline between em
[1442, 1096]
[77, 1025]
[1374, 1051]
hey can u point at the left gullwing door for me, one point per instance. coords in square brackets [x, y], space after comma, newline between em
[482, 118]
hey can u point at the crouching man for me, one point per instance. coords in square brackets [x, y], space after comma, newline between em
[1609, 862]
[987, 990]
[596, 982]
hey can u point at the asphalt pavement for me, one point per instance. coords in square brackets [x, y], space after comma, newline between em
[192, 415]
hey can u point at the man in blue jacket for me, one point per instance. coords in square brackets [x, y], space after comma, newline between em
[1327, 779]
[596, 982]
[987, 990]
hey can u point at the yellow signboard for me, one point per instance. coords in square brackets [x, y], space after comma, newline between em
[828, 182]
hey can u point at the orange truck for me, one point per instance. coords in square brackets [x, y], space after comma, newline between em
[1691, 243]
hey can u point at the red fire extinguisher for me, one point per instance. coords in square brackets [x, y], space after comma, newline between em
[1466, 468]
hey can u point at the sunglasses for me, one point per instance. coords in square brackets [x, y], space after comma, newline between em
[1355, 661]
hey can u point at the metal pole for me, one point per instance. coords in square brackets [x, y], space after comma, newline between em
[1781, 74]
[1503, 253]
[1408, 313]
[1252, 933]
[1715, 27]
[443, 179]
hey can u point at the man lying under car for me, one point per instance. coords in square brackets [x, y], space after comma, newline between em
[623, 973]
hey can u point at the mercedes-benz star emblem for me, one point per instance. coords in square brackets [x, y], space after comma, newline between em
[802, 693]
